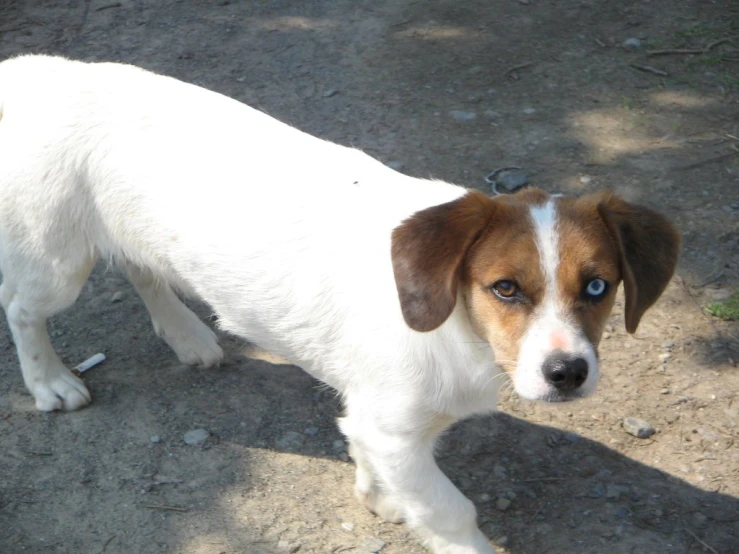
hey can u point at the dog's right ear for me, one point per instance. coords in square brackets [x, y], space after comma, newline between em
[427, 254]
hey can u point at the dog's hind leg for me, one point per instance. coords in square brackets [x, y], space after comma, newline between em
[192, 340]
[32, 292]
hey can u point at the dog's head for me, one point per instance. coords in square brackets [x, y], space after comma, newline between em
[538, 275]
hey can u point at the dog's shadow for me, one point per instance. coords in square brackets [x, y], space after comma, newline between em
[537, 487]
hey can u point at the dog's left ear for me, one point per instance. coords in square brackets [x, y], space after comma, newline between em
[427, 253]
[648, 244]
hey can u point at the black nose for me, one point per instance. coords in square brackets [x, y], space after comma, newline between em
[564, 372]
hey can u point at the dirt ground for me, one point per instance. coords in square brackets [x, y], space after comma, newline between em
[449, 89]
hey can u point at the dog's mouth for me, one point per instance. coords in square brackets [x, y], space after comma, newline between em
[556, 396]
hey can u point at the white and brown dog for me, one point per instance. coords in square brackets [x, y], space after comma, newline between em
[379, 284]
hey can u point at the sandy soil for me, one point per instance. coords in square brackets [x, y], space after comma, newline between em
[543, 84]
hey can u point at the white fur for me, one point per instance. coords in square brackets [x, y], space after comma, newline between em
[285, 236]
[550, 318]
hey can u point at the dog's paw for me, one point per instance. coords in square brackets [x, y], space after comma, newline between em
[193, 341]
[60, 391]
[472, 542]
[380, 505]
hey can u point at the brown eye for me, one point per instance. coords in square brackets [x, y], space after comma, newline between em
[505, 289]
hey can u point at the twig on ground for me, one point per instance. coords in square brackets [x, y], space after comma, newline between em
[515, 68]
[699, 163]
[706, 546]
[694, 51]
[108, 542]
[164, 507]
[650, 69]
[108, 6]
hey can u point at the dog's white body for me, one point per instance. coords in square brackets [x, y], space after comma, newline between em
[285, 236]
[398, 292]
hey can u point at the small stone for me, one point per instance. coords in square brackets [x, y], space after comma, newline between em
[499, 471]
[330, 92]
[311, 431]
[290, 441]
[339, 445]
[699, 520]
[510, 180]
[196, 437]
[668, 345]
[502, 541]
[503, 504]
[287, 546]
[638, 427]
[397, 165]
[343, 456]
[606, 335]
[586, 179]
[597, 491]
[116, 297]
[632, 43]
[665, 391]
[459, 115]
[614, 492]
[529, 111]
[347, 526]
[155, 439]
[372, 544]
[665, 356]
[485, 497]
[622, 512]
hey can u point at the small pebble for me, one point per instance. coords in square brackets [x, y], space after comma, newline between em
[503, 504]
[290, 441]
[311, 431]
[511, 180]
[632, 43]
[502, 541]
[289, 547]
[597, 491]
[614, 492]
[155, 439]
[343, 456]
[622, 512]
[665, 356]
[347, 526]
[586, 179]
[459, 115]
[668, 345]
[529, 111]
[339, 445]
[372, 544]
[499, 471]
[397, 165]
[330, 92]
[638, 427]
[606, 335]
[665, 391]
[196, 437]
[116, 297]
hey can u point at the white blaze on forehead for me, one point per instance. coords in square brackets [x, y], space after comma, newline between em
[544, 219]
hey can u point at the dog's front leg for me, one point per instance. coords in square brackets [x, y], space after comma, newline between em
[407, 480]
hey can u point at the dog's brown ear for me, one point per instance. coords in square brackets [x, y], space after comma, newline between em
[427, 253]
[648, 245]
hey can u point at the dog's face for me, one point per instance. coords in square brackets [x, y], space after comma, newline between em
[538, 276]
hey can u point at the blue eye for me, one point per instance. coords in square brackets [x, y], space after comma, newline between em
[596, 288]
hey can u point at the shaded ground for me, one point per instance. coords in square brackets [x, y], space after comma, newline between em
[386, 77]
